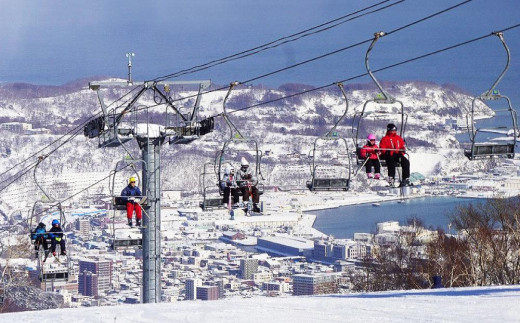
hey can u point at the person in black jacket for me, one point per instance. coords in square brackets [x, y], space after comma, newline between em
[56, 234]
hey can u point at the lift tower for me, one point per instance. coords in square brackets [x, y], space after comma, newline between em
[178, 128]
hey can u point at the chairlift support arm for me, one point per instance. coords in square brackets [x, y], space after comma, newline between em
[232, 128]
[331, 131]
[500, 36]
[377, 35]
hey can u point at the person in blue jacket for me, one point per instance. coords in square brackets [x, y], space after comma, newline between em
[56, 234]
[40, 235]
[131, 195]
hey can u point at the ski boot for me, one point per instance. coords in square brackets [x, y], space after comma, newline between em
[130, 224]
[256, 209]
[63, 253]
[405, 182]
[137, 223]
[391, 181]
[377, 176]
[45, 255]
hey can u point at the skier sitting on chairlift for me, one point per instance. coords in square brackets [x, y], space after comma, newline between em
[56, 234]
[393, 150]
[229, 185]
[39, 235]
[370, 151]
[131, 195]
[246, 181]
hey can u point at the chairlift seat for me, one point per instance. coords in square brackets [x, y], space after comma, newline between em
[58, 274]
[125, 243]
[260, 188]
[484, 150]
[211, 203]
[46, 236]
[119, 202]
[329, 184]
[127, 237]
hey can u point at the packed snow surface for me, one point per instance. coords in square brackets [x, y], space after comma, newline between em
[481, 304]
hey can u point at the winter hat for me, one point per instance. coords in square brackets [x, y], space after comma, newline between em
[391, 127]
[371, 137]
[244, 162]
[229, 170]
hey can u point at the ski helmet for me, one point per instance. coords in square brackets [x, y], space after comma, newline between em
[371, 137]
[391, 127]
[41, 225]
[244, 162]
[131, 179]
[55, 222]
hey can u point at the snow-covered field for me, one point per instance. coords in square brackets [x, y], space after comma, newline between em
[480, 304]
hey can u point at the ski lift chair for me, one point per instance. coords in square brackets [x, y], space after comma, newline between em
[236, 138]
[330, 183]
[209, 201]
[124, 236]
[44, 208]
[385, 101]
[504, 146]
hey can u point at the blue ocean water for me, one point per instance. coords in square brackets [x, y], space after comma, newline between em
[344, 221]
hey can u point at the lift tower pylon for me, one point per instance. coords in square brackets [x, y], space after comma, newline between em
[112, 132]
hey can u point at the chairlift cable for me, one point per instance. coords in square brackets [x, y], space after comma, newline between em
[280, 41]
[377, 70]
[326, 54]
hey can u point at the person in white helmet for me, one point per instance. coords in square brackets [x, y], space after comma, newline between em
[246, 181]
[229, 185]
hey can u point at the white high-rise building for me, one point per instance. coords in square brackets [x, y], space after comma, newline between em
[83, 228]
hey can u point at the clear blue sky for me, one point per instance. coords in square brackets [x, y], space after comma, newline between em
[51, 42]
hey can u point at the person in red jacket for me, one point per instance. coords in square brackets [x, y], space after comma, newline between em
[393, 150]
[370, 151]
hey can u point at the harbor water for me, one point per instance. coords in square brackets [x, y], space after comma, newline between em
[434, 212]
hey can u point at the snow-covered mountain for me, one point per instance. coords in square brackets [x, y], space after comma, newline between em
[285, 130]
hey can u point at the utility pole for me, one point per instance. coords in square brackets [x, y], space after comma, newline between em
[111, 133]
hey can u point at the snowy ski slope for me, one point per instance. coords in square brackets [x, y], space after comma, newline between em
[480, 304]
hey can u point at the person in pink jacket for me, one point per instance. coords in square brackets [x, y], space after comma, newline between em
[370, 151]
